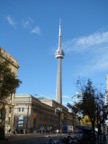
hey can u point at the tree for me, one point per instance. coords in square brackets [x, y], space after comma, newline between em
[92, 103]
[85, 121]
[101, 116]
[8, 85]
[74, 109]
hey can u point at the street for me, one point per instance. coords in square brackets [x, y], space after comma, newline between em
[38, 138]
[34, 138]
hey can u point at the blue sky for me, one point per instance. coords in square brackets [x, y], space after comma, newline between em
[29, 33]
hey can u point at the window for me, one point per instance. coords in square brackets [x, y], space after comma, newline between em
[21, 117]
[19, 109]
[9, 120]
[21, 120]
[22, 109]
[10, 109]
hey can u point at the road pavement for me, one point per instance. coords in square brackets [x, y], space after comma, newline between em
[35, 138]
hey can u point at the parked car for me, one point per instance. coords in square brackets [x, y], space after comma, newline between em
[78, 131]
[55, 131]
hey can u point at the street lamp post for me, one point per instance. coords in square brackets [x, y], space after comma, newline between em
[59, 110]
[27, 118]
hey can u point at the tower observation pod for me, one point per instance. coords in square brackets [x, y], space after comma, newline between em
[59, 55]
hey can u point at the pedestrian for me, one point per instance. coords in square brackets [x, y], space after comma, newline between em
[14, 131]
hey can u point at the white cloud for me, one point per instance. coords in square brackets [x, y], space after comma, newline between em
[10, 20]
[84, 43]
[67, 97]
[27, 23]
[94, 50]
[36, 30]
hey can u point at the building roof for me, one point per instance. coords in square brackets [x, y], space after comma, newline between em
[43, 98]
[23, 95]
[8, 57]
[46, 101]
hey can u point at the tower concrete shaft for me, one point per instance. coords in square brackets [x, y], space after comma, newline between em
[59, 55]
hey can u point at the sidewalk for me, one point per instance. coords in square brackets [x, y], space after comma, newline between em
[106, 140]
[103, 141]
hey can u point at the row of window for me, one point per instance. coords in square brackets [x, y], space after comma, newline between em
[21, 109]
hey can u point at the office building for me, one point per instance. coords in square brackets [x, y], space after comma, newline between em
[31, 113]
[9, 102]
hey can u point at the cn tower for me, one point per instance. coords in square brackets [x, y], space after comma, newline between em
[59, 55]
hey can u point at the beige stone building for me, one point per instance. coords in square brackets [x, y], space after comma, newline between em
[44, 114]
[4, 56]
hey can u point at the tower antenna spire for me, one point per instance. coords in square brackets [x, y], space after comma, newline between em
[60, 36]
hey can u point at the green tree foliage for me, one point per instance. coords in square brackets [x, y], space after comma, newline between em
[91, 103]
[8, 81]
[87, 104]
[74, 109]
[85, 121]
[8, 85]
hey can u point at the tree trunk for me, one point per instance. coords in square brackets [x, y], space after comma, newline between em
[2, 133]
[93, 127]
[2, 124]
